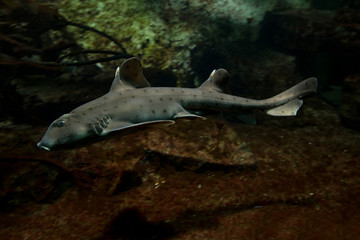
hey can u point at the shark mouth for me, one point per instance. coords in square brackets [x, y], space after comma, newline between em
[42, 146]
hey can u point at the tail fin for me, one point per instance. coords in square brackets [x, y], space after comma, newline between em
[291, 98]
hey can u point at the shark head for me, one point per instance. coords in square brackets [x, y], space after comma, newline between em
[66, 129]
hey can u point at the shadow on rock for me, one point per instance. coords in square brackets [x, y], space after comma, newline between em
[131, 225]
[25, 181]
[157, 161]
[129, 179]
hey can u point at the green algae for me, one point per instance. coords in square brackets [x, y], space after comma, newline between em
[163, 33]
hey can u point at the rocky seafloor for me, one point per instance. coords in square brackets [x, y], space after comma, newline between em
[285, 178]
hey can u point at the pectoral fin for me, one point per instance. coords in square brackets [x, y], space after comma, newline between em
[117, 126]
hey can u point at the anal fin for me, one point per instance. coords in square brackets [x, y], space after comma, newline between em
[248, 118]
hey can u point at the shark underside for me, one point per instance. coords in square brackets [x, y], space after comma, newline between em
[131, 102]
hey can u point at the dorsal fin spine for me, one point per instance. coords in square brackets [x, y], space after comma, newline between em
[218, 81]
[129, 75]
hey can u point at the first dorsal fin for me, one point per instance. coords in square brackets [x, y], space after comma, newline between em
[129, 75]
[218, 80]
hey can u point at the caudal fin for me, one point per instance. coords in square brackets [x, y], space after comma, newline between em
[291, 98]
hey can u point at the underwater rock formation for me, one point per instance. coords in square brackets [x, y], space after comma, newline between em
[313, 30]
[350, 106]
[198, 179]
[164, 33]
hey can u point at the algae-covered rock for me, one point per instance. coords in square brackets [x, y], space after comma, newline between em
[164, 33]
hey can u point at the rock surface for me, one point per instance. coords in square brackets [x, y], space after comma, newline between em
[164, 33]
[309, 30]
[193, 180]
[350, 107]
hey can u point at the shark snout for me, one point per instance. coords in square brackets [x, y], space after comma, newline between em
[43, 146]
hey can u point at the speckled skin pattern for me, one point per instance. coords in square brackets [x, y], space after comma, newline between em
[127, 106]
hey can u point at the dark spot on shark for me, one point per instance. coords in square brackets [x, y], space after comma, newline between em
[156, 90]
[115, 106]
[153, 111]
[90, 108]
[144, 90]
[161, 99]
[84, 114]
[194, 95]
[170, 99]
[173, 90]
[141, 106]
[164, 111]
[150, 100]
[222, 99]
[133, 96]
[135, 75]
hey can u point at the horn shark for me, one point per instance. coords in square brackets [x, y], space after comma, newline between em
[131, 102]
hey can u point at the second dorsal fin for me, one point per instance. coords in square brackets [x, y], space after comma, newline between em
[129, 75]
[218, 80]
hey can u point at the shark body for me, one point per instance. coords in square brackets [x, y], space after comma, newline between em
[131, 102]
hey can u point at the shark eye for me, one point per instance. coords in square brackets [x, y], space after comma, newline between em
[60, 123]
